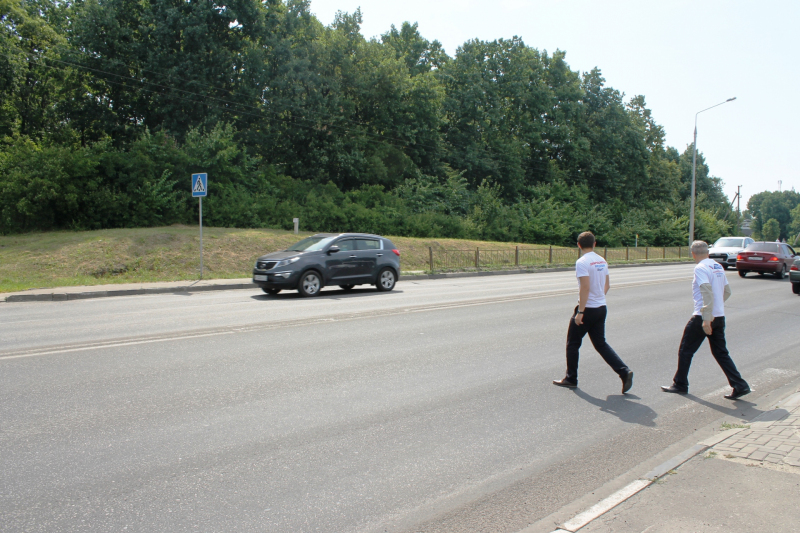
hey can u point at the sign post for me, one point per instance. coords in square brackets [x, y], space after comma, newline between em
[200, 189]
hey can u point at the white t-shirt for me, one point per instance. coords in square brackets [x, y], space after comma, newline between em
[709, 271]
[596, 268]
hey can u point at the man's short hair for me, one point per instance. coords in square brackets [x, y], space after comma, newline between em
[700, 247]
[586, 239]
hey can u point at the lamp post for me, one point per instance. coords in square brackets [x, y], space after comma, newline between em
[694, 167]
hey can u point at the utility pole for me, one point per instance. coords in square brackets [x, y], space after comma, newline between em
[738, 198]
[780, 184]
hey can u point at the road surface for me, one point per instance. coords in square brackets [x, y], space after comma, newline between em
[425, 409]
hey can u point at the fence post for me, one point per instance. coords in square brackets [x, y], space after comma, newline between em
[679, 252]
[550, 261]
[646, 253]
[626, 253]
[477, 257]
[664, 252]
[430, 252]
[516, 256]
[605, 253]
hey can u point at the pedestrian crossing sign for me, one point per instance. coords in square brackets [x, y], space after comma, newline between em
[199, 185]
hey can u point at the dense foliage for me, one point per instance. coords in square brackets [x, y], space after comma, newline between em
[107, 106]
[780, 209]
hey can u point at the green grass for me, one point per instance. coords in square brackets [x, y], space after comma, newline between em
[726, 425]
[64, 258]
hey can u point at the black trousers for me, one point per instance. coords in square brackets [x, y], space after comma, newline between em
[594, 323]
[693, 337]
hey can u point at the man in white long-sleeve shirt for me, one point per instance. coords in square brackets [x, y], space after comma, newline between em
[710, 291]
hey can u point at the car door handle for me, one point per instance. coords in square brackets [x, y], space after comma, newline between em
[380, 255]
[352, 256]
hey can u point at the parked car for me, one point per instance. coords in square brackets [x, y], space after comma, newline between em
[726, 249]
[762, 257]
[343, 259]
[794, 275]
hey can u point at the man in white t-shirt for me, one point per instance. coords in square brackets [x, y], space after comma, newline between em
[590, 315]
[710, 290]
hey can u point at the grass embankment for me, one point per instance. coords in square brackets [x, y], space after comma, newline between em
[61, 259]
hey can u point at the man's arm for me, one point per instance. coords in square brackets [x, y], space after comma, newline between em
[707, 310]
[583, 298]
[608, 284]
[726, 294]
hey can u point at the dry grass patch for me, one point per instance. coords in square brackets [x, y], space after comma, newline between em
[60, 259]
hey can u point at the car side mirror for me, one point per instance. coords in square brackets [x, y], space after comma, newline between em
[333, 249]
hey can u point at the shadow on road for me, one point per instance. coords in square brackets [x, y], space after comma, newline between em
[327, 294]
[739, 408]
[621, 406]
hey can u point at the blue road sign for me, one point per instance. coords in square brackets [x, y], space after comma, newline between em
[200, 184]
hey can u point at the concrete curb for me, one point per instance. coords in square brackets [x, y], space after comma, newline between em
[665, 468]
[66, 296]
[62, 297]
[606, 505]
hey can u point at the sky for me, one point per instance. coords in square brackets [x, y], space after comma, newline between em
[683, 56]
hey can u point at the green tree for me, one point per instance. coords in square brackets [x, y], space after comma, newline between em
[773, 205]
[770, 230]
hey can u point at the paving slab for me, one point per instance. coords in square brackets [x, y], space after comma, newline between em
[710, 495]
[756, 488]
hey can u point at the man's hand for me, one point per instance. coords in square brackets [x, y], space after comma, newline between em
[579, 320]
[707, 326]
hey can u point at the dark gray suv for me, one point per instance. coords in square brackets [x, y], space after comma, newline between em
[343, 259]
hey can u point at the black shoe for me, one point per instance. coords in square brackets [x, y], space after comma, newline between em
[736, 394]
[565, 383]
[627, 382]
[673, 389]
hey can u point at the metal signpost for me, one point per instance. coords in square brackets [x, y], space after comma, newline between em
[200, 189]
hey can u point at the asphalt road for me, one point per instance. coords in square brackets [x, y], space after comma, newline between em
[426, 409]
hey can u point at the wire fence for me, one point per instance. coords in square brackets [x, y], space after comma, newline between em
[477, 259]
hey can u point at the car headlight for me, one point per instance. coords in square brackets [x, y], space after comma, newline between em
[287, 262]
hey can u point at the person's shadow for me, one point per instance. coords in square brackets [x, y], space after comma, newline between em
[621, 406]
[739, 408]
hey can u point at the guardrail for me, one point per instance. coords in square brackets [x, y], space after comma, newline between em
[477, 259]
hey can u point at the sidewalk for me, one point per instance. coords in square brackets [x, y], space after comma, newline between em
[743, 480]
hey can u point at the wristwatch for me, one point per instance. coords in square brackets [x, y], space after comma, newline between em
[579, 313]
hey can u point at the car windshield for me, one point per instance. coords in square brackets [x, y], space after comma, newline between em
[763, 247]
[728, 243]
[311, 244]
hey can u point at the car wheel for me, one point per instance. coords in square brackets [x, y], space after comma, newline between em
[742, 273]
[386, 280]
[796, 288]
[270, 291]
[782, 273]
[346, 287]
[310, 284]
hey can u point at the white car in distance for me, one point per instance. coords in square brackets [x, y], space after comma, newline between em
[725, 250]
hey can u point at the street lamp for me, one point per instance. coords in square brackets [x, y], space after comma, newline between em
[694, 167]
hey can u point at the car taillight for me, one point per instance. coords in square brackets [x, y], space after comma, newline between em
[396, 252]
[739, 257]
[773, 258]
[794, 267]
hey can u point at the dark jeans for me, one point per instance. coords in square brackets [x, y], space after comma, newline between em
[594, 323]
[693, 337]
